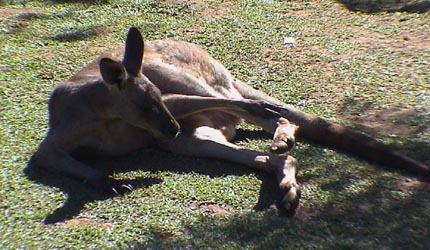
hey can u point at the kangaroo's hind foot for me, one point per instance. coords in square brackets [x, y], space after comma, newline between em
[284, 137]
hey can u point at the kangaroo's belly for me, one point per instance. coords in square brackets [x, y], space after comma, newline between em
[221, 121]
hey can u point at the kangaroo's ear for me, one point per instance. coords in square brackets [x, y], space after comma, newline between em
[133, 55]
[112, 72]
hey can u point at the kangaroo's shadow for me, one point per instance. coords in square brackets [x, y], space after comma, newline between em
[79, 193]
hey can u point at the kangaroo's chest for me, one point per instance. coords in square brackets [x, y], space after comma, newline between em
[112, 138]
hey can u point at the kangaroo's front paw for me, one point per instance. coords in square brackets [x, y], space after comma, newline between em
[284, 137]
[262, 109]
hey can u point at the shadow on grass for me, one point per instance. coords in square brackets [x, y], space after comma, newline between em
[374, 219]
[29, 15]
[400, 125]
[79, 193]
[15, 20]
[375, 6]
[81, 33]
[389, 214]
[18, 21]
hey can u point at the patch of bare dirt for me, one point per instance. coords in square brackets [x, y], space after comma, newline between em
[405, 184]
[301, 13]
[407, 39]
[207, 8]
[212, 208]
[267, 55]
[306, 12]
[306, 213]
[328, 68]
[394, 121]
[365, 207]
[84, 222]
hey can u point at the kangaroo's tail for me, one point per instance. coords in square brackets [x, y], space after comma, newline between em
[326, 133]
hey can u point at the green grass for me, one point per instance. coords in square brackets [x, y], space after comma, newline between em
[369, 71]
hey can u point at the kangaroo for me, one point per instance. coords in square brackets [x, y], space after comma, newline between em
[173, 95]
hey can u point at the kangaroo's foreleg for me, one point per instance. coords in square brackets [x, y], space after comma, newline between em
[260, 113]
[181, 106]
[208, 142]
[54, 156]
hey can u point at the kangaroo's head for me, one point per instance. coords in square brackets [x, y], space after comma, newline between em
[136, 99]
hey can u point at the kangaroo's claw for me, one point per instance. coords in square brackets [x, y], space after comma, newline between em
[118, 186]
[114, 190]
[111, 186]
[129, 187]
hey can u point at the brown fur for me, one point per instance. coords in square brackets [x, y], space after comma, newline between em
[181, 100]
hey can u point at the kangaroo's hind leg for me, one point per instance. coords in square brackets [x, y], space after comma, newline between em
[208, 142]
